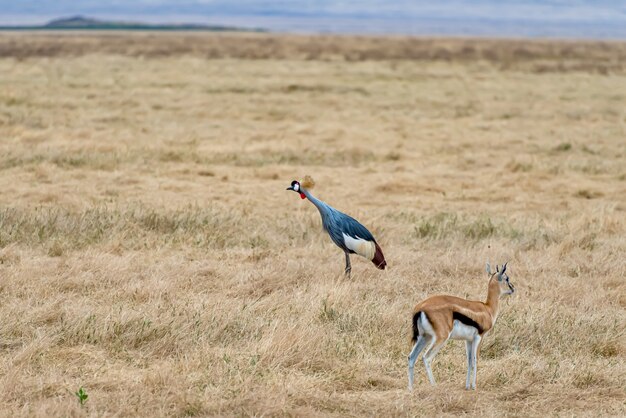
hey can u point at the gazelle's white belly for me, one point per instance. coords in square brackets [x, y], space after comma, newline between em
[460, 331]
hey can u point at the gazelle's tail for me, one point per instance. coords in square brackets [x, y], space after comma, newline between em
[416, 331]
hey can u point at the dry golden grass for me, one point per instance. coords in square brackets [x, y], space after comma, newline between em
[150, 253]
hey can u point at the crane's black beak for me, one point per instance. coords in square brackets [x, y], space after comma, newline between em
[302, 196]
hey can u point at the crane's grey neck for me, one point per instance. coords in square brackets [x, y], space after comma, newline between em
[321, 206]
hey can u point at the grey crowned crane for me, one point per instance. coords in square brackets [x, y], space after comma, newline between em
[346, 232]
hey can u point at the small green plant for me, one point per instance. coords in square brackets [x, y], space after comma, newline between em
[82, 396]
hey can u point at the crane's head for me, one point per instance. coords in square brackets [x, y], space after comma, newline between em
[295, 186]
[308, 183]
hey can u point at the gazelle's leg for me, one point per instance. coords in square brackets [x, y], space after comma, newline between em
[480, 344]
[348, 266]
[415, 352]
[432, 351]
[475, 344]
[468, 351]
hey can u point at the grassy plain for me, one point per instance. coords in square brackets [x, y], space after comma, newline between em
[150, 253]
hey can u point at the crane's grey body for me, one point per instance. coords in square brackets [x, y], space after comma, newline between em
[337, 224]
[346, 232]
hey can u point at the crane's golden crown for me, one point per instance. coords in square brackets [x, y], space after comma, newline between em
[308, 182]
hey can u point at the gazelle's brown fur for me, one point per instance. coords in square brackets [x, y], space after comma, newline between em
[440, 318]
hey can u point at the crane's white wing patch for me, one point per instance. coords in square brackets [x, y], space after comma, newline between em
[360, 246]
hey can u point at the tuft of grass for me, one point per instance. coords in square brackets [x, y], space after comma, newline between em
[447, 225]
[606, 349]
[588, 380]
[56, 249]
[393, 156]
[562, 147]
[516, 167]
[327, 312]
[589, 150]
[588, 194]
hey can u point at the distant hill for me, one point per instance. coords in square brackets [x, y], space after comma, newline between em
[87, 23]
[75, 22]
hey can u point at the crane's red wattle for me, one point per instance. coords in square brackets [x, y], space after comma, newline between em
[302, 196]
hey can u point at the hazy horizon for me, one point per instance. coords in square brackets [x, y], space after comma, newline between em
[556, 18]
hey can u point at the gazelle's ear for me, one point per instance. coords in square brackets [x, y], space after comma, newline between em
[497, 269]
[488, 268]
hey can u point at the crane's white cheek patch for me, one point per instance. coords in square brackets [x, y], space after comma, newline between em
[296, 187]
[360, 246]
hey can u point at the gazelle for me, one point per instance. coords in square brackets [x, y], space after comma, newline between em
[441, 317]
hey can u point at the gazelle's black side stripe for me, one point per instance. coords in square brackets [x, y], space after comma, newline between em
[467, 321]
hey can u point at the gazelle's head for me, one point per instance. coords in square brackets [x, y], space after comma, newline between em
[502, 279]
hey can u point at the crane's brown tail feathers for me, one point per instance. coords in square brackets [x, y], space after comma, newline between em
[379, 258]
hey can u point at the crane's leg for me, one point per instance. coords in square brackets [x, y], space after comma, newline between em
[348, 266]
